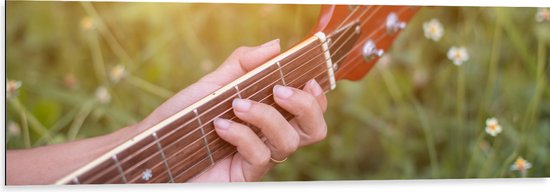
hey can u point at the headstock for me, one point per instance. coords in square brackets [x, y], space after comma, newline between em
[373, 27]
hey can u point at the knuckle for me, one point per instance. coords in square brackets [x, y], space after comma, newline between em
[262, 157]
[307, 104]
[291, 145]
[320, 134]
[263, 111]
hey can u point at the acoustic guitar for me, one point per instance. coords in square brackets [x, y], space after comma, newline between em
[345, 43]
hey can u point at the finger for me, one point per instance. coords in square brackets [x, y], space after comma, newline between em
[259, 55]
[315, 89]
[306, 109]
[282, 138]
[252, 149]
[241, 61]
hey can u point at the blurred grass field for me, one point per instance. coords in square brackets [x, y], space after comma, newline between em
[416, 115]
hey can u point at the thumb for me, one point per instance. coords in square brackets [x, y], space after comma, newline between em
[259, 55]
[241, 61]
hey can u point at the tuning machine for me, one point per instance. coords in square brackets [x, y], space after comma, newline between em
[393, 24]
[370, 51]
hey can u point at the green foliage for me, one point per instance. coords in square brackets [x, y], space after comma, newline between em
[416, 116]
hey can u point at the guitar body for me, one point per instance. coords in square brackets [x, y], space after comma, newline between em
[345, 44]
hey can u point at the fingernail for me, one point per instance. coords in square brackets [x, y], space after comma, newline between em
[315, 87]
[282, 91]
[222, 123]
[270, 43]
[241, 105]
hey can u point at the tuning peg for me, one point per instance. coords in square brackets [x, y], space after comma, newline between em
[393, 24]
[370, 51]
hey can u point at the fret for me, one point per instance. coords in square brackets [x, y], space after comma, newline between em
[238, 91]
[218, 106]
[117, 163]
[198, 162]
[182, 162]
[263, 80]
[143, 163]
[163, 157]
[184, 145]
[204, 137]
[301, 69]
[104, 172]
[281, 73]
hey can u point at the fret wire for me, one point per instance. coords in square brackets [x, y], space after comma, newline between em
[120, 169]
[215, 141]
[281, 73]
[202, 131]
[163, 157]
[327, 38]
[238, 91]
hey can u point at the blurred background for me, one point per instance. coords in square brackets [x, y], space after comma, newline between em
[78, 70]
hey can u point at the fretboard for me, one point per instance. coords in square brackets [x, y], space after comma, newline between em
[186, 144]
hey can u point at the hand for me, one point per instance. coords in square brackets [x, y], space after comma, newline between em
[281, 137]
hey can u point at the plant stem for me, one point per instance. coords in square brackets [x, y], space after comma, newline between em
[86, 109]
[35, 124]
[149, 87]
[460, 113]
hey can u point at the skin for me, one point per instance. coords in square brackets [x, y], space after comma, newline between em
[45, 165]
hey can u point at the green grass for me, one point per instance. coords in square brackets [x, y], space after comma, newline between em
[418, 117]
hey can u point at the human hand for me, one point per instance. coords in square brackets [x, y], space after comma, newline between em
[281, 137]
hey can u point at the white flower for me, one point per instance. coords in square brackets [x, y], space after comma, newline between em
[433, 29]
[147, 174]
[520, 165]
[492, 127]
[14, 128]
[543, 14]
[11, 88]
[102, 95]
[458, 55]
[117, 73]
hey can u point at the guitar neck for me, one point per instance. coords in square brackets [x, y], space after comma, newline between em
[185, 144]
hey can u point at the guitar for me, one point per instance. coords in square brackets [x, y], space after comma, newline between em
[345, 43]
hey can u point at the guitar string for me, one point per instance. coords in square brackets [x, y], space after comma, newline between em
[310, 70]
[250, 96]
[231, 97]
[324, 78]
[193, 119]
[322, 73]
[313, 69]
